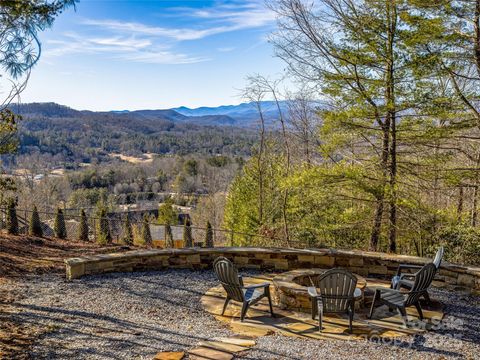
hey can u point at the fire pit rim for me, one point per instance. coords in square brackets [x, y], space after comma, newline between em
[286, 281]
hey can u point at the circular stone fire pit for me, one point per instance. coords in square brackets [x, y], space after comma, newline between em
[291, 288]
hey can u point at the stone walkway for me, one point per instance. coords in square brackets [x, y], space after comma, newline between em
[219, 348]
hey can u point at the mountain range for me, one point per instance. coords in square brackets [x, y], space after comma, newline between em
[245, 113]
[242, 115]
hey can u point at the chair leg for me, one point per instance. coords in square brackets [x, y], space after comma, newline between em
[403, 314]
[270, 304]
[227, 300]
[350, 315]
[427, 298]
[375, 297]
[419, 310]
[320, 320]
[314, 307]
[244, 311]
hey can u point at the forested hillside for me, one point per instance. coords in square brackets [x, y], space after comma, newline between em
[84, 136]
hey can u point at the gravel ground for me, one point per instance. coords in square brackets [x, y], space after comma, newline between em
[136, 315]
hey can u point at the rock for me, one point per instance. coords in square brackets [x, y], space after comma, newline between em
[205, 353]
[223, 346]
[169, 355]
[246, 342]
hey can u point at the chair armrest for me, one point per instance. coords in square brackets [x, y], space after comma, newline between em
[257, 286]
[387, 290]
[407, 266]
[312, 292]
[403, 276]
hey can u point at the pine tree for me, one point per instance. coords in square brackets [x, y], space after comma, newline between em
[59, 225]
[168, 236]
[167, 213]
[12, 220]
[209, 235]
[146, 235]
[187, 234]
[35, 227]
[127, 237]
[103, 228]
[83, 227]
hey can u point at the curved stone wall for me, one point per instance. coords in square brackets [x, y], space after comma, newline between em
[367, 264]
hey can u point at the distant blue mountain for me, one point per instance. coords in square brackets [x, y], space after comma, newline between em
[245, 114]
[242, 115]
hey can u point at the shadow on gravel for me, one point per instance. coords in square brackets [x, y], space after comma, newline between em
[417, 344]
[461, 324]
[65, 323]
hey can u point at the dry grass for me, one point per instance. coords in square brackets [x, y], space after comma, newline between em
[22, 255]
[146, 158]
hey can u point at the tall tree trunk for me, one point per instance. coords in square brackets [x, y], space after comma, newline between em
[287, 170]
[477, 58]
[377, 224]
[391, 114]
[379, 206]
[392, 233]
[476, 45]
[460, 203]
[474, 214]
[389, 146]
[260, 164]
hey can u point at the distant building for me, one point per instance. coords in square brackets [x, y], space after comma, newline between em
[137, 215]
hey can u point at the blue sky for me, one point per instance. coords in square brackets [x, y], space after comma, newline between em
[114, 55]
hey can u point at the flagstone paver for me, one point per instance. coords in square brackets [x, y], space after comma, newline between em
[223, 346]
[206, 353]
[241, 341]
[291, 323]
[169, 355]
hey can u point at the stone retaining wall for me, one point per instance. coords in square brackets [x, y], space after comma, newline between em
[367, 264]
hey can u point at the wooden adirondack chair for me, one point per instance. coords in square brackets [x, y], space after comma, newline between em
[406, 280]
[228, 276]
[394, 298]
[337, 288]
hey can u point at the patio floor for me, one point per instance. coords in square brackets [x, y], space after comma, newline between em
[384, 324]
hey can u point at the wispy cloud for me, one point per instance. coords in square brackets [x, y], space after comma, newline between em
[141, 42]
[162, 57]
[122, 42]
[142, 29]
[214, 20]
[123, 48]
[226, 49]
[242, 15]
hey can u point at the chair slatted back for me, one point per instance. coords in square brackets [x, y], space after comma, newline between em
[336, 289]
[227, 274]
[438, 257]
[422, 282]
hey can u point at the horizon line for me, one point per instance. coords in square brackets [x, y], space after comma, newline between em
[137, 109]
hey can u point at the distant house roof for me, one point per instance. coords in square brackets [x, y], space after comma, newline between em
[158, 232]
